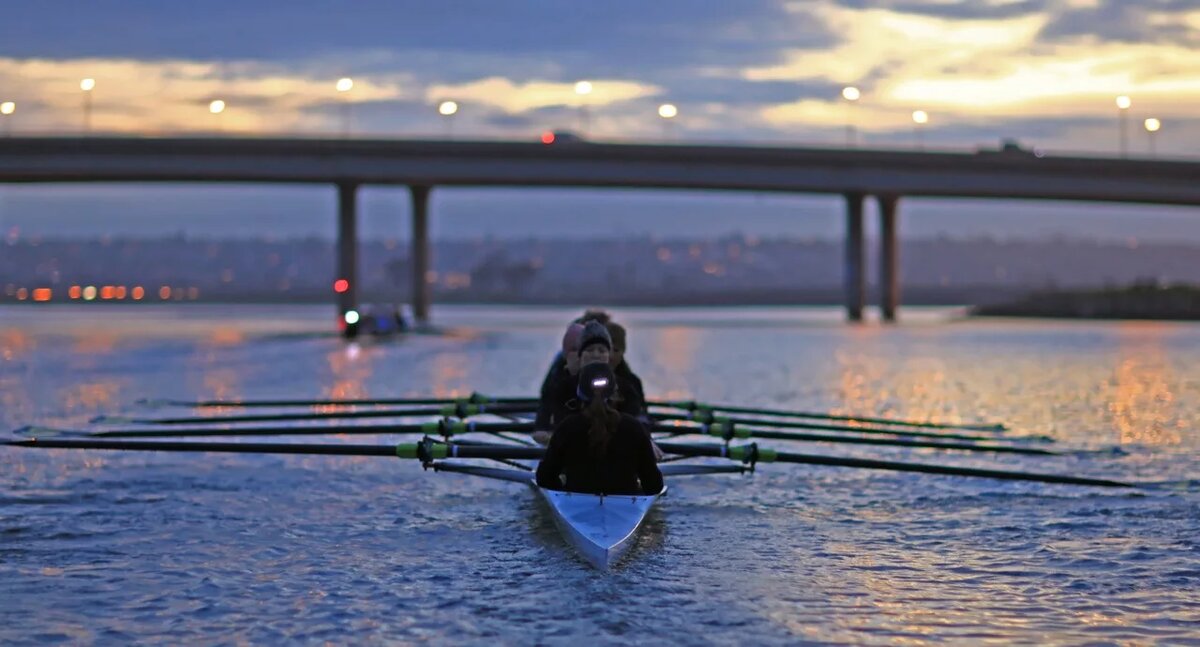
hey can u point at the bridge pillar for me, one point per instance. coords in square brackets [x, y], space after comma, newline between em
[889, 276]
[347, 254]
[421, 293]
[854, 274]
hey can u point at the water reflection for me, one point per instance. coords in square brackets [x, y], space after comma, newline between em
[1140, 402]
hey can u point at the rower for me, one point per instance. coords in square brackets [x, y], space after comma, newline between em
[563, 370]
[631, 384]
[600, 450]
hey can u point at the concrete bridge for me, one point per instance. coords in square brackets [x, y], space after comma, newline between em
[856, 174]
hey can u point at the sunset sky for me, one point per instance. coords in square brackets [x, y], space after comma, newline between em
[769, 72]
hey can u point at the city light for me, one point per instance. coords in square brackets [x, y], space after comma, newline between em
[447, 108]
[345, 84]
[89, 293]
[920, 117]
[1152, 125]
[7, 108]
[138, 293]
[87, 85]
[42, 294]
[668, 111]
[583, 87]
[851, 93]
[75, 292]
[164, 292]
[341, 285]
[216, 107]
[351, 317]
[1123, 102]
[548, 137]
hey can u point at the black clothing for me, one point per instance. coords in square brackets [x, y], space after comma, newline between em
[627, 466]
[631, 391]
[558, 389]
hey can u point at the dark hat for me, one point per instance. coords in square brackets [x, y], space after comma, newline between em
[594, 332]
[592, 314]
[597, 376]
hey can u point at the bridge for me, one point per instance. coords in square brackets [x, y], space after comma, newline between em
[856, 174]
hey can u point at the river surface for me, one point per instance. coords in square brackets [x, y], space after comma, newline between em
[108, 547]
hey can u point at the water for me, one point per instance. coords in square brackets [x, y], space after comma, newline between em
[178, 548]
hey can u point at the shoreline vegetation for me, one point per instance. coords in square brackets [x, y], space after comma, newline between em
[1142, 300]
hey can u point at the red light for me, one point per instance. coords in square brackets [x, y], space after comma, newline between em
[341, 285]
[547, 137]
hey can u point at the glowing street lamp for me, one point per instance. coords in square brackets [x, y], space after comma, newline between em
[6, 110]
[87, 85]
[668, 112]
[344, 86]
[851, 94]
[920, 118]
[1152, 126]
[1123, 104]
[216, 107]
[448, 109]
[582, 89]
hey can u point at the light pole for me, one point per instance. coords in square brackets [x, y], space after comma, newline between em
[920, 118]
[668, 112]
[1152, 127]
[217, 107]
[6, 110]
[344, 85]
[448, 109]
[582, 89]
[851, 95]
[1123, 103]
[87, 85]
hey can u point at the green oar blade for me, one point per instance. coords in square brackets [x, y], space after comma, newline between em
[751, 452]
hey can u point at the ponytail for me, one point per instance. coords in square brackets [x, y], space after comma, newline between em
[602, 425]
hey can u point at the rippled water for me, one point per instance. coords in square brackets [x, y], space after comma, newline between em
[175, 548]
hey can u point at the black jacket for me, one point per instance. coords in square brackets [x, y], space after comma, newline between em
[627, 467]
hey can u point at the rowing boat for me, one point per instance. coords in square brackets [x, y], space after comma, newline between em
[600, 528]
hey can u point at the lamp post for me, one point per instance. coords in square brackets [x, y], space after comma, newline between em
[1123, 104]
[582, 89]
[668, 112]
[87, 85]
[6, 111]
[851, 94]
[1152, 127]
[344, 85]
[448, 109]
[216, 107]
[920, 118]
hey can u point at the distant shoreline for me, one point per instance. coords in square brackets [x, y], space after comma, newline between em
[1141, 301]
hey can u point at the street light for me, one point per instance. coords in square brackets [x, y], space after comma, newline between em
[851, 94]
[582, 89]
[668, 112]
[1123, 104]
[87, 85]
[448, 109]
[920, 118]
[6, 109]
[1152, 127]
[216, 107]
[344, 85]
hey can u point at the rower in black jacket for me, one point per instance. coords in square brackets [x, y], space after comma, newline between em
[559, 393]
[600, 450]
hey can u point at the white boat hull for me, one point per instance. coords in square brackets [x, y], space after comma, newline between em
[600, 528]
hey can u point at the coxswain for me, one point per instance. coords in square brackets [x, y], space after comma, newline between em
[599, 450]
[557, 398]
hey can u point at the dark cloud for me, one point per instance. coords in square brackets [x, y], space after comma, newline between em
[1124, 21]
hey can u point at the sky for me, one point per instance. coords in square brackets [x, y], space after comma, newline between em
[768, 72]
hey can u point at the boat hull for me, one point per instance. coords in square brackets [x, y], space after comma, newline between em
[600, 528]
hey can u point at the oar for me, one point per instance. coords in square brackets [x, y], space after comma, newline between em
[449, 410]
[444, 428]
[474, 398]
[427, 451]
[692, 405]
[707, 418]
[424, 450]
[754, 454]
[733, 431]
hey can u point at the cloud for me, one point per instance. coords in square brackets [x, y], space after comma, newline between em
[522, 97]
